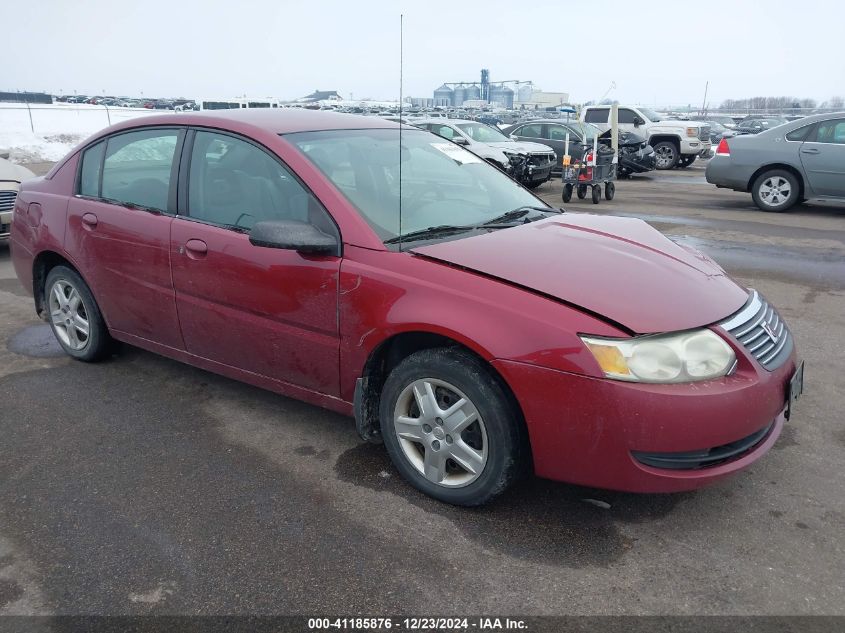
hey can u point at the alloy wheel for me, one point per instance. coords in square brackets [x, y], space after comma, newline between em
[775, 190]
[68, 315]
[665, 156]
[441, 432]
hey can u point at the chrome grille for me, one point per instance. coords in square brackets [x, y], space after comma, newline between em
[704, 133]
[7, 200]
[759, 328]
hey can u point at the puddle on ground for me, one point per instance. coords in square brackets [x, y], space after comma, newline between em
[36, 341]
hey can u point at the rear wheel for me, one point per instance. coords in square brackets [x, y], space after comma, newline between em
[567, 193]
[449, 427]
[582, 192]
[666, 155]
[609, 191]
[775, 190]
[596, 194]
[74, 316]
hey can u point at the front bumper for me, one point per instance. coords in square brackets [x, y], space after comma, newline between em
[586, 430]
[690, 145]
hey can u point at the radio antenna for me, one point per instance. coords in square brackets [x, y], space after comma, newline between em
[401, 123]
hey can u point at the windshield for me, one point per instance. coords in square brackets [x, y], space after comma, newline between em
[482, 133]
[651, 115]
[442, 183]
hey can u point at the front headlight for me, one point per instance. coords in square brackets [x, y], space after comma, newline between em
[664, 358]
[692, 131]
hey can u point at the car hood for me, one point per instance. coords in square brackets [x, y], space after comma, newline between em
[521, 146]
[619, 268]
[11, 172]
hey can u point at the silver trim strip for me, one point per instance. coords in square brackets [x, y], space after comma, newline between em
[744, 315]
[764, 317]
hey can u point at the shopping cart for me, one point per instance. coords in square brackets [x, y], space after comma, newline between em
[589, 173]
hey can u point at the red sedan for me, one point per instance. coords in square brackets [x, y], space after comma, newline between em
[399, 278]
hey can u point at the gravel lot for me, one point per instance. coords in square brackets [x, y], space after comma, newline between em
[141, 485]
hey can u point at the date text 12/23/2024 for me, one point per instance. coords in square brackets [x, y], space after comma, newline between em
[417, 624]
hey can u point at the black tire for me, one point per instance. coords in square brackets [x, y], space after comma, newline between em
[596, 194]
[686, 160]
[609, 191]
[666, 155]
[507, 454]
[582, 192]
[98, 344]
[784, 181]
[567, 193]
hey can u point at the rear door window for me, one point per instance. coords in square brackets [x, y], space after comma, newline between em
[801, 134]
[832, 131]
[532, 130]
[138, 166]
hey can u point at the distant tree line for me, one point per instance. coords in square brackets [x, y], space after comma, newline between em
[780, 103]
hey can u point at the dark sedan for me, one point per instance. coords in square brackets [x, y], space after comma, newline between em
[636, 156]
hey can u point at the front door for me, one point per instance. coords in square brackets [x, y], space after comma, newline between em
[823, 158]
[119, 231]
[267, 311]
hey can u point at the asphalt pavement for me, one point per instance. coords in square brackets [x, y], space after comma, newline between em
[143, 486]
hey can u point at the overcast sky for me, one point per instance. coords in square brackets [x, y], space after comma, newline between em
[657, 53]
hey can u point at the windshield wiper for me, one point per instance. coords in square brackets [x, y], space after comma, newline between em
[430, 232]
[516, 214]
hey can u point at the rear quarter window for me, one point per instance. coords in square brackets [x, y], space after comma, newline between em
[89, 173]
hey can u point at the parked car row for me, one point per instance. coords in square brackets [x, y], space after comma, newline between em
[127, 102]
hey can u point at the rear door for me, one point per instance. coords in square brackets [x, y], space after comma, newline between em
[119, 230]
[823, 158]
[267, 311]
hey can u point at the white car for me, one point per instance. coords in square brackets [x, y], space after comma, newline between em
[528, 163]
[11, 176]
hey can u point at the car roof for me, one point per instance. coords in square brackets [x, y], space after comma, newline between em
[273, 120]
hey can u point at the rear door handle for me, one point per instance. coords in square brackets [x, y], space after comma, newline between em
[196, 248]
[89, 219]
[810, 150]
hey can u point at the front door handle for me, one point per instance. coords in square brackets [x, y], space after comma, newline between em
[89, 220]
[196, 248]
[810, 150]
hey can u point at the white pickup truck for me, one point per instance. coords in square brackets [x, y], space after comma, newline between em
[675, 143]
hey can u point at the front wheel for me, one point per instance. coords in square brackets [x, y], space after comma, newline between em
[582, 192]
[666, 155]
[449, 427]
[74, 316]
[775, 190]
[609, 191]
[567, 193]
[596, 194]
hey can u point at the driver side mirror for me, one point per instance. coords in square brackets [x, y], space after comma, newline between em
[638, 121]
[459, 140]
[291, 235]
[514, 137]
